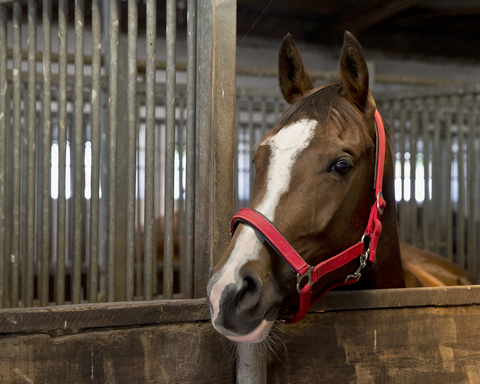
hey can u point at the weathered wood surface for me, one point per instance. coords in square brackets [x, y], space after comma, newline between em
[159, 354]
[119, 314]
[385, 346]
[420, 335]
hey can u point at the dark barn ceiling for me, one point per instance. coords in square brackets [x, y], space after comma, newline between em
[421, 28]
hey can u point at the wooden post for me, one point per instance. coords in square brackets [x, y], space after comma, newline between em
[215, 134]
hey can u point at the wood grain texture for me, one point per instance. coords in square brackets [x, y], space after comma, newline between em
[404, 345]
[173, 353]
[102, 315]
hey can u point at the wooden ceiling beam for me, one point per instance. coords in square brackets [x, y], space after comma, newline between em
[371, 15]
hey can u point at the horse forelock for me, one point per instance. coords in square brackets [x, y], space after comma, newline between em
[333, 112]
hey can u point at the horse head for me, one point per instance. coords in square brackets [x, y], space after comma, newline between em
[314, 176]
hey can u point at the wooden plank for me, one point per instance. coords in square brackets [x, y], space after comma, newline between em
[102, 315]
[398, 298]
[375, 13]
[120, 314]
[169, 353]
[405, 345]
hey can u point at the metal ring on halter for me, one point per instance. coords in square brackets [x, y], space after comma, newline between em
[380, 209]
[301, 277]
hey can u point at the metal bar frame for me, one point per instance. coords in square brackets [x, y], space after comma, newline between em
[149, 151]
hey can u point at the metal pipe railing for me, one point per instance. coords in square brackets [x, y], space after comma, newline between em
[149, 150]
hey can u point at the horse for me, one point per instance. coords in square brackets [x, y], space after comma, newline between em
[311, 202]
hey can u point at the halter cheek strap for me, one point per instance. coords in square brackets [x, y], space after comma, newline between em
[310, 273]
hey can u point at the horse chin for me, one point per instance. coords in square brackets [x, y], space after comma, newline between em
[257, 335]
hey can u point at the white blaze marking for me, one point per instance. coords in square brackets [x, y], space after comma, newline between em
[285, 147]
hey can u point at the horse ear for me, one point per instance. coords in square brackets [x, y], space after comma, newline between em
[293, 78]
[354, 71]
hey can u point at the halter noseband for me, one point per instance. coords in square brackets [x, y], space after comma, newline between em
[314, 273]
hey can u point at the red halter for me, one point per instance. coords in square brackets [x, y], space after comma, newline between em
[313, 274]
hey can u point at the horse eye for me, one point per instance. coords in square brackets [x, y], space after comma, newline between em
[342, 166]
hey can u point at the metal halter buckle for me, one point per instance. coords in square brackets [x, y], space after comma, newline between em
[301, 277]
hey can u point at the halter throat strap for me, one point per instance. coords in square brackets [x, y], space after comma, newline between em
[365, 249]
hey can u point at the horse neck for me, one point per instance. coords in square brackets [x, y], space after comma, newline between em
[387, 271]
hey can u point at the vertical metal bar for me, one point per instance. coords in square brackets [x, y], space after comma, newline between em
[149, 149]
[413, 171]
[190, 147]
[237, 142]
[179, 230]
[112, 148]
[3, 147]
[132, 134]
[77, 150]
[138, 223]
[402, 140]
[448, 180]
[472, 170]
[426, 173]
[251, 140]
[24, 194]
[62, 146]
[460, 256]
[251, 364]
[95, 182]
[436, 168]
[476, 189]
[47, 150]
[32, 116]
[170, 106]
[17, 68]
[263, 113]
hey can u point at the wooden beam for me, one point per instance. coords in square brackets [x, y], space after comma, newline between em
[119, 314]
[166, 353]
[375, 13]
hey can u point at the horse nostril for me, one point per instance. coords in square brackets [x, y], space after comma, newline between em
[249, 294]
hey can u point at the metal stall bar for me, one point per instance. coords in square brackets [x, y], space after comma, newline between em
[426, 172]
[95, 140]
[17, 68]
[413, 171]
[46, 152]
[460, 224]
[78, 145]
[402, 140]
[170, 105]
[472, 169]
[112, 148]
[190, 147]
[62, 148]
[448, 179]
[251, 364]
[3, 147]
[131, 155]
[251, 143]
[31, 121]
[149, 149]
[181, 189]
[436, 169]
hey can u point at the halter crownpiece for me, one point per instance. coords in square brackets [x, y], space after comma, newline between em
[365, 249]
